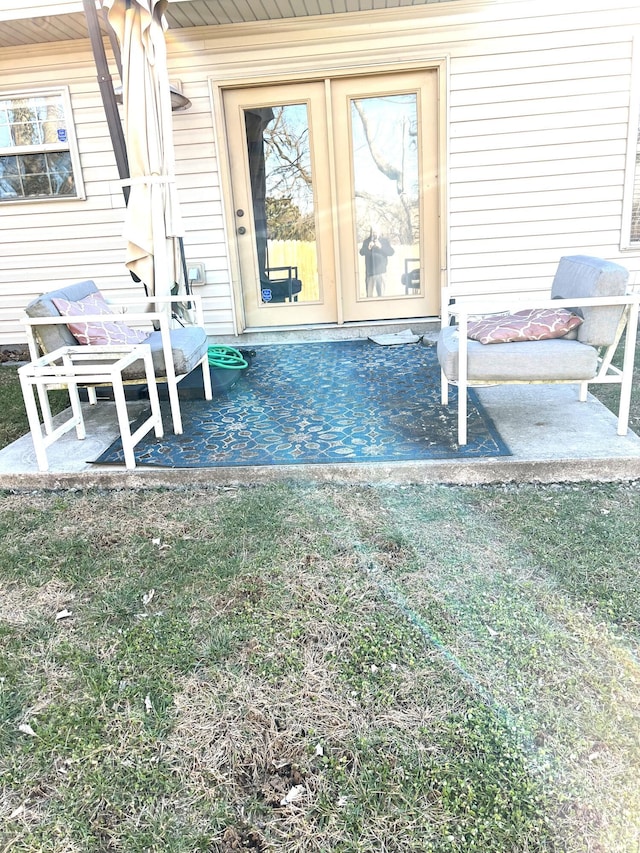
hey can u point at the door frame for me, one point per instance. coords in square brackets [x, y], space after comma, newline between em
[303, 310]
[217, 86]
[388, 307]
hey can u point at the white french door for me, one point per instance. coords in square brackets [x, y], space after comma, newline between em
[336, 198]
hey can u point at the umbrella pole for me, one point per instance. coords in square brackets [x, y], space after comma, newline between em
[185, 272]
[105, 83]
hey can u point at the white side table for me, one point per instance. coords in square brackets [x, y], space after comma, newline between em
[74, 366]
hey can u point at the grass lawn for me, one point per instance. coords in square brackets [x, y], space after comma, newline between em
[304, 667]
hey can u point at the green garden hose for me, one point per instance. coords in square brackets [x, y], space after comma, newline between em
[227, 358]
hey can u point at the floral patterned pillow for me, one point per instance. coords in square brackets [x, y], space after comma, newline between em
[531, 325]
[95, 332]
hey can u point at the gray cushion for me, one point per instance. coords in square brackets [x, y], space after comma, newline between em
[582, 276]
[188, 345]
[55, 336]
[526, 361]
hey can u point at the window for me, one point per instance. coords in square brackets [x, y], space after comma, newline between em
[38, 154]
[631, 204]
[634, 229]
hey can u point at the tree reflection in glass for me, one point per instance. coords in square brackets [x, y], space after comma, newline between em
[280, 170]
[384, 133]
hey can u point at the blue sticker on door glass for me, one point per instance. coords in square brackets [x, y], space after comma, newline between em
[267, 296]
[62, 134]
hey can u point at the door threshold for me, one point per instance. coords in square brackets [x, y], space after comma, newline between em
[327, 332]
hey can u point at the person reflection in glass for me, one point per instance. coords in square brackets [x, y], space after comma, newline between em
[376, 249]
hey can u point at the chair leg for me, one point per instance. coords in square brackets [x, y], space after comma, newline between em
[463, 383]
[444, 388]
[174, 401]
[627, 370]
[154, 398]
[462, 413]
[206, 379]
[76, 408]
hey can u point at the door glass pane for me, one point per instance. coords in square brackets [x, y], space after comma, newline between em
[384, 136]
[279, 154]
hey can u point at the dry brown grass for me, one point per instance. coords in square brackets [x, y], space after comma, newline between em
[346, 653]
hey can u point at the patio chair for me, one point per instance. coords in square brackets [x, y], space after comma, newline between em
[175, 351]
[282, 283]
[410, 278]
[570, 338]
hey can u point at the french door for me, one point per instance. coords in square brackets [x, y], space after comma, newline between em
[335, 197]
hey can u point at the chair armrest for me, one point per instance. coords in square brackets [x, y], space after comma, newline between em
[137, 318]
[292, 271]
[472, 307]
[464, 309]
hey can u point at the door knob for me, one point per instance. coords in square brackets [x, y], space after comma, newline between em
[242, 230]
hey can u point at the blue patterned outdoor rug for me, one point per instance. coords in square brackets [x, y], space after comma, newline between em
[322, 403]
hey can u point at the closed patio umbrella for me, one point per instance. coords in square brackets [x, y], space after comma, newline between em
[153, 224]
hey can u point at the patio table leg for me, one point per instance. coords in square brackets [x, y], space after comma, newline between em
[74, 399]
[129, 439]
[45, 408]
[123, 421]
[41, 440]
[34, 422]
[76, 408]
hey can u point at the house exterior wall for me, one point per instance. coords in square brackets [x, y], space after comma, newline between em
[537, 118]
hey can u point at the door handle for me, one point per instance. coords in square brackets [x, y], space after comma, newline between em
[242, 230]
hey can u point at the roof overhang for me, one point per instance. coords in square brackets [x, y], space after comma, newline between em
[65, 20]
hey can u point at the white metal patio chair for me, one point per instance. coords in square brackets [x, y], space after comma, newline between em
[175, 351]
[592, 288]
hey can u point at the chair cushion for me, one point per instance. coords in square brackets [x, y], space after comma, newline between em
[53, 337]
[97, 333]
[524, 361]
[583, 276]
[188, 344]
[531, 325]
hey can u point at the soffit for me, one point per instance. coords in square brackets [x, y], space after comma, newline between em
[194, 13]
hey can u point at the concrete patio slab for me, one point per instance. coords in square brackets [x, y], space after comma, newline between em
[552, 436]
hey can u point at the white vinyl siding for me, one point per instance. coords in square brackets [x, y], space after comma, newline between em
[537, 161]
[537, 132]
[46, 245]
[538, 117]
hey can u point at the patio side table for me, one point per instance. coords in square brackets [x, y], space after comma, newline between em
[74, 366]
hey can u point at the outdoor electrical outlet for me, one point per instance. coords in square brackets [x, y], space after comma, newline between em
[196, 273]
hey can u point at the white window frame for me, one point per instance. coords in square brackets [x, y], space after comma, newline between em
[632, 170]
[70, 145]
